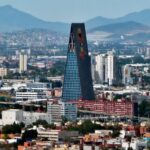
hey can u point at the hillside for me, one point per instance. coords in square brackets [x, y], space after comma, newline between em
[123, 28]
[13, 19]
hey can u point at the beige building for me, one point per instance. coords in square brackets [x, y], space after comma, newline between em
[3, 72]
[57, 135]
[22, 62]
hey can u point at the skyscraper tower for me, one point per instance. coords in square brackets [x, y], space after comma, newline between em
[111, 68]
[77, 80]
[22, 62]
[100, 68]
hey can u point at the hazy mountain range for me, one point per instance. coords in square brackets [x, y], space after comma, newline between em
[12, 19]
[129, 27]
[140, 17]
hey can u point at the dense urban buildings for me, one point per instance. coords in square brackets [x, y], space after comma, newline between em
[75, 98]
[77, 78]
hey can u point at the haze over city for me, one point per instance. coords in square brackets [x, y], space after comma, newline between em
[74, 74]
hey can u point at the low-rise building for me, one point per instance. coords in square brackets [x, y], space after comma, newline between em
[12, 116]
[17, 116]
[3, 72]
[30, 117]
[30, 95]
[38, 86]
[135, 144]
[57, 135]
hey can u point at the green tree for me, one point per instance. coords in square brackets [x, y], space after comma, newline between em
[44, 124]
[129, 138]
[115, 133]
[130, 148]
[29, 135]
[64, 120]
[40, 122]
[86, 127]
[143, 108]
[14, 128]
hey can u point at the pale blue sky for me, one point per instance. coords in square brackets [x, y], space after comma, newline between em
[77, 10]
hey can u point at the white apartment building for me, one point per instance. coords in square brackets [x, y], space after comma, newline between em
[55, 111]
[147, 55]
[93, 69]
[100, 68]
[12, 116]
[30, 117]
[111, 68]
[17, 116]
[22, 62]
[22, 96]
[3, 72]
[105, 68]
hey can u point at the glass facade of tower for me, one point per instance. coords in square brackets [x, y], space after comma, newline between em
[78, 80]
[72, 86]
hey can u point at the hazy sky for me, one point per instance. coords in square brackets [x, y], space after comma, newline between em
[77, 10]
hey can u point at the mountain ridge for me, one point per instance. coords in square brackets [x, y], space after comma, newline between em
[14, 20]
[21, 20]
[122, 28]
[140, 17]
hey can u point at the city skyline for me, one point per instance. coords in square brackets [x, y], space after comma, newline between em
[77, 11]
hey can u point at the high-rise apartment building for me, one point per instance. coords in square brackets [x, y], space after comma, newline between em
[100, 68]
[93, 69]
[22, 62]
[78, 79]
[111, 68]
[147, 53]
[106, 68]
[127, 79]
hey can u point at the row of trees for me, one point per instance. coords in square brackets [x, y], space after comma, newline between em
[12, 129]
[16, 129]
[89, 127]
[44, 124]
